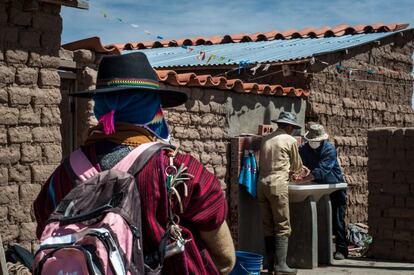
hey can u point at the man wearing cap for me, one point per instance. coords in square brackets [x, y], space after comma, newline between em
[279, 156]
[128, 105]
[321, 157]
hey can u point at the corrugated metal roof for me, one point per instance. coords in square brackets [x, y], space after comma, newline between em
[256, 52]
[308, 32]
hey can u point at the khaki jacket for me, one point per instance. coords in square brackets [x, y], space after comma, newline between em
[279, 155]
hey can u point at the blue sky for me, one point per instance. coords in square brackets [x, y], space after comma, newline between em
[179, 18]
[189, 18]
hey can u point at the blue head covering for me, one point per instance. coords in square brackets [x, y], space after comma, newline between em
[143, 109]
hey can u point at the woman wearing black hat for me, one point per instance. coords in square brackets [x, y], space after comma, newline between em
[128, 105]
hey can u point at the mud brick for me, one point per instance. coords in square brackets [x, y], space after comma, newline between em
[386, 234]
[20, 134]
[399, 154]
[9, 154]
[409, 225]
[47, 23]
[29, 39]
[46, 134]
[41, 173]
[380, 201]
[379, 175]
[16, 56]
[4, 176]
[402, 236]
[408, 142]
[381, 223]
[7, 74]
[400, 224]
[399, 138]
[410, 156]
[382, 247]
[84, 56]
[265, 129]
[399, 213]
[397, 188]
[29, 192]
[400, 177]
[409, 202]
[399, 201]
[49, 77]
[20, 18]
[409, 132]
[20, 96]
[26, 76]
[9, 194]
[27, 231]
[375, 212]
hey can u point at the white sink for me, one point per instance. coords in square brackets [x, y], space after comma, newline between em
[298, 193]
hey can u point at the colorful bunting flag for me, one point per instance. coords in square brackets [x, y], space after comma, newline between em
[105, 15]
[266, 67]
[211, 57]
[242, 64]
[201, 55]
[255, 68]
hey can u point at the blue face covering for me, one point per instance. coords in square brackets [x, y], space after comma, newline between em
[139, 108]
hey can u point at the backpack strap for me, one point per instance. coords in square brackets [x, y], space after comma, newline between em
[81, 166]
[131, 163]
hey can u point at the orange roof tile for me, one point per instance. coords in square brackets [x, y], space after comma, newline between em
[170, 77]
[343, 29]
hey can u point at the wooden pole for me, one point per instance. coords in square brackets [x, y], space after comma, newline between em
[3, 265]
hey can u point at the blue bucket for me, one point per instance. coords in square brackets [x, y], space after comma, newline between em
[247, 263]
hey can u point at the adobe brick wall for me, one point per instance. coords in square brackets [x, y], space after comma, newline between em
[391, 193]
[350, 108]
[29, 112]
[200, 128]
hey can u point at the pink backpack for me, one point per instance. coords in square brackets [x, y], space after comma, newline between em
[96, 228]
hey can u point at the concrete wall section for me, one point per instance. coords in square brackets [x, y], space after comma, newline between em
[246, 111]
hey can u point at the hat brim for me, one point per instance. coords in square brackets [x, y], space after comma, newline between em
[296, 125]
[320, 138]
[169, 98]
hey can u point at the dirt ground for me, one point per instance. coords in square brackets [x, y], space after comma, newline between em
[362, 266]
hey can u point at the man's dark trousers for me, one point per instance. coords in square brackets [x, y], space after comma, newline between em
[338, 200]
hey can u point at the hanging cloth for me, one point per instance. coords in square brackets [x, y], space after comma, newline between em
[248, 173]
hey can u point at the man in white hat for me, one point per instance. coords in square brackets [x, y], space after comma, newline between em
[321, 157]
[279, 157]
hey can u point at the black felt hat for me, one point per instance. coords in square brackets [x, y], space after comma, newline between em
[130, 73]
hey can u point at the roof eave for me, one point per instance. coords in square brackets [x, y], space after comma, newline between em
[79, 4]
